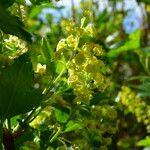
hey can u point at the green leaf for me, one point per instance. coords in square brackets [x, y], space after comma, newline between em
[144, 87]
[6, 3]
[21, 2]
[38, 9]
[144, 142]
[38, 2]
[144, 1]
[26, 136]
[72, 126]
[62, 115]
[14, 121]
[131, 44]
[10, 24]
[17, 94]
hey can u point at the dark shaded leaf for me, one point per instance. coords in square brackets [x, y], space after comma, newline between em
[38, 2]
[10, 24]
[17, 95]
[6, 3]
[144, 1]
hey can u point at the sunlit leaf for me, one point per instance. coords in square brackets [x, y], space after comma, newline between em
[72, 126]
[144, 142]
[62, 115]
[131, 44]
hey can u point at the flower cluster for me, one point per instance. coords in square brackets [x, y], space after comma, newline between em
[42, 118]
[14, 47]
[82, 59]
[100, 126]
[136, 105]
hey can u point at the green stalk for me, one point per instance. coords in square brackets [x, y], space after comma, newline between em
[55, 81]
[56, 135]
[1, 134]
[19, 10]
[1, 41]
[73, 11]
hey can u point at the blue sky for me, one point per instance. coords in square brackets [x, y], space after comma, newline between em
[129, 4]
[132, 21]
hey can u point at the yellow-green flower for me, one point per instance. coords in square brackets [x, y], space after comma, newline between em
[72, 41]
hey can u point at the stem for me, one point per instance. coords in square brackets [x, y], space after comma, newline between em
[146, 30]
[1, 41]
[19, 10]
[1, 134]
[57, 78]
[91, 9]
[73, 11]
[64, 144]
[9, 124]
[30, 115]
[35, 115]
[65, 140]
[55, 135]
[147, 63]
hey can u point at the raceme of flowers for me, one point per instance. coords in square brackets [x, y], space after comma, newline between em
[85, 69]
[135, 105]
